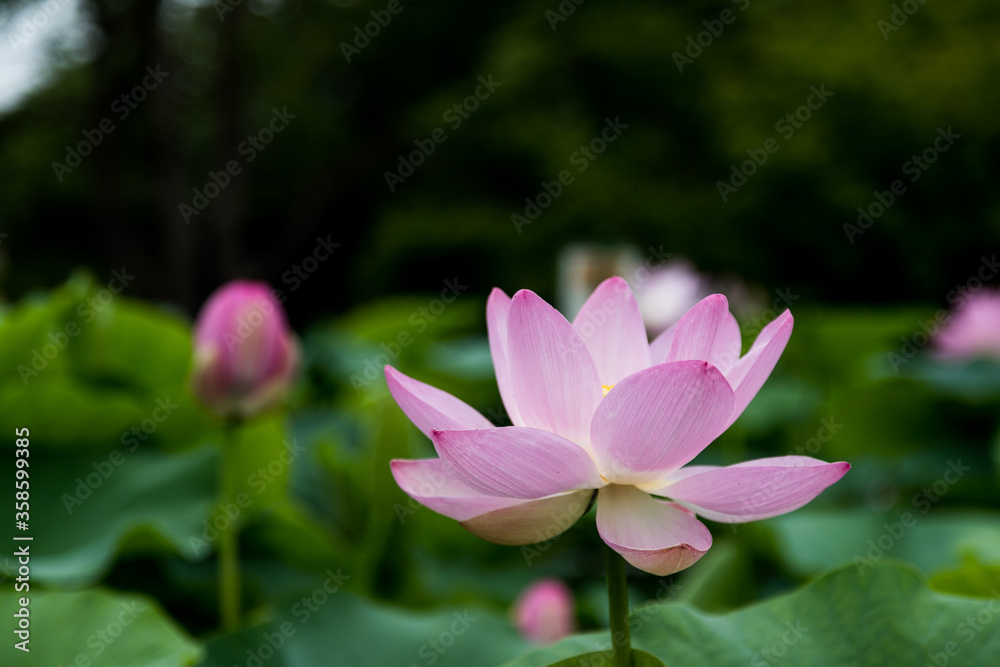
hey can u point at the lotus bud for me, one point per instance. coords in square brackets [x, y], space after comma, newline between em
[544, 612]
[245, 355]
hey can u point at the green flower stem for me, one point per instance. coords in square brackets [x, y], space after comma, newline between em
[621, 639]
[229, 557]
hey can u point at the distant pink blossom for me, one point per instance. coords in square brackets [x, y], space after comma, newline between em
[600, 412]
[973, 329]
[544, 612]
[668, 293]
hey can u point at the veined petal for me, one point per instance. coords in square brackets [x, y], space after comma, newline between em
[752, 490]
[431, 408]
[530, 521]
[517, 461]
[555, 382]
[497, 310]
[708, 332]
[750, 372]
[610, 325]
[434, 484]
[656, 420]
[660, 347]
[656, 537]
[512, 521]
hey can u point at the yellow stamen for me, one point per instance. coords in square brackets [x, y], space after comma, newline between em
[606, 388]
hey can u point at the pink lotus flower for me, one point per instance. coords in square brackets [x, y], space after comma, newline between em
[245, 356]
[597, 409]
[544, 611]
[973, 330]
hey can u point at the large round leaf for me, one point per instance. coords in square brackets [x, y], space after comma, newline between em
[95, 628]
[888, 616]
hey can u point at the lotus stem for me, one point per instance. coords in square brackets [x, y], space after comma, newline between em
[621, 639]
[229, 558]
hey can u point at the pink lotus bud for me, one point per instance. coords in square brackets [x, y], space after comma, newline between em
[544, 612]
[245, 356]
[972, 329]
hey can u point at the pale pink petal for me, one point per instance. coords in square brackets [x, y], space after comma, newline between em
[708, 332]
[656, 420]
[517, 461]
[750, 372]
[433, 483]
[610, 324]
[430, 408]
[660, 347]
[656, 537]
[497, 310]
[556, 385]
[531, 521]
[752, 490]
[657, 485]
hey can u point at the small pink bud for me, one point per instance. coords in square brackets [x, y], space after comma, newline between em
[245, 356]
[971, 330]
[544, 611]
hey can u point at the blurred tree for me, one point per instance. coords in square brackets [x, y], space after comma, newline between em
[363, 90]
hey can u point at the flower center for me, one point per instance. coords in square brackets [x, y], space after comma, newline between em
[606, 388]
